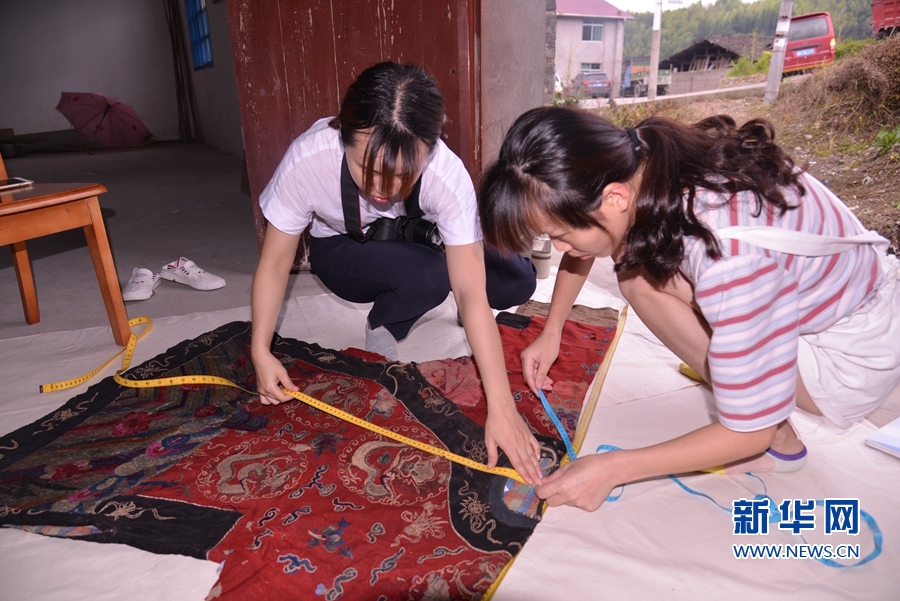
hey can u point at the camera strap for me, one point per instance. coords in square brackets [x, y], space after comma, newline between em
[350, 204]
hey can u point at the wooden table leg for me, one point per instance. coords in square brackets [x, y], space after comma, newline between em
[26, 282]
[101, 255]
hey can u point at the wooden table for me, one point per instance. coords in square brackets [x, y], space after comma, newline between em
[43, 209]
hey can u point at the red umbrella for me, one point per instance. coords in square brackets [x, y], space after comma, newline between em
[103, 118]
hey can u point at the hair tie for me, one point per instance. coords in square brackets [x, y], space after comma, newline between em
[635, 140]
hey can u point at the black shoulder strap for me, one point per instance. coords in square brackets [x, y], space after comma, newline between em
[412, 201]
[350, 203]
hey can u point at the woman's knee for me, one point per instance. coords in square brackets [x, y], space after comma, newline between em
[510, 280]
[428, 284]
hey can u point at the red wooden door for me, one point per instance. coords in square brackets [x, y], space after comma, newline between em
[294, 59]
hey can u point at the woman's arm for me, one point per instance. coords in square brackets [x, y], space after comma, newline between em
[540, 354]
[505, 427]
[587, 481]
[269, 284]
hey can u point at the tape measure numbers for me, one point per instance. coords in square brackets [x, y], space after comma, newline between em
[219, 381]
[126, 360]
[334, 412]
[558, 424]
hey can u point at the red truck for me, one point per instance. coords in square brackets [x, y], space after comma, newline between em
[885, 17]
[810, 43]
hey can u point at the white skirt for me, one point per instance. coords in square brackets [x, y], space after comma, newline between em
[850, 368]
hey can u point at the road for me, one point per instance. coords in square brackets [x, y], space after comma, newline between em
[753, 89]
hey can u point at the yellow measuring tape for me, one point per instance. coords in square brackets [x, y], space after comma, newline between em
[312, 402]
[338, 413]
[580, 432]
[126, 360]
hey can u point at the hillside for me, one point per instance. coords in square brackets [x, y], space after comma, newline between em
[841, 123]
[682, 27]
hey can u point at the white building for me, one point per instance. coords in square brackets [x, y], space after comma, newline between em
[590, 36]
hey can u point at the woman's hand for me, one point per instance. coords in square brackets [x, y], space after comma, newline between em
[584, 483]
[271, 376]
[506, 428]
[537, 359]
[587, 481]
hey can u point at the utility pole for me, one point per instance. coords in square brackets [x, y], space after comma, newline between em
[778, 48]
[654, 50]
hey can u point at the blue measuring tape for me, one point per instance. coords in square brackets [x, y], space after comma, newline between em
[774, 513]
[559, 427]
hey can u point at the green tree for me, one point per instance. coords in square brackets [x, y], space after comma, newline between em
[685, 26]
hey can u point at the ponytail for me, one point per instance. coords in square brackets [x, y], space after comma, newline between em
[713, 154]
[555, 162]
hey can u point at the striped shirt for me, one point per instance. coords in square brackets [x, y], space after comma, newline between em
[758, 302]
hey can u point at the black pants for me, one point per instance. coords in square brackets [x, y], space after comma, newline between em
[405, 280]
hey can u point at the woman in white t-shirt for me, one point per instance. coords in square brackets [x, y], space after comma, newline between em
[355, 179]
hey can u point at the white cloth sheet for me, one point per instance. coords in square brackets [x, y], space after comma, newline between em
[659, 542]
[655, 542]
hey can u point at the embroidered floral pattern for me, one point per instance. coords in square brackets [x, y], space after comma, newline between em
[212, 473]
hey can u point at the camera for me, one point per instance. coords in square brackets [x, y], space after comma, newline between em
[408, 229]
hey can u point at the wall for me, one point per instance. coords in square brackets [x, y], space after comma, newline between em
[119, 48]
[550, 53]
[571, 51]
[513, 58]
[215, 90]
[294, 59]
[615, 68]
[697, 81]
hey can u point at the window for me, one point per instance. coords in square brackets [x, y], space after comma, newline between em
[592, 30]
[803, 29]
[198, 28]
[590, 67]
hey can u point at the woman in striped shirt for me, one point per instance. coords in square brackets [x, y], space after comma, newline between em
[748, 269]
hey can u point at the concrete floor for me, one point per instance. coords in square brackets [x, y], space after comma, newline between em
[163, 201]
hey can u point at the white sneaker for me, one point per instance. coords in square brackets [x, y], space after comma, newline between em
[141, 285]
[185, 271]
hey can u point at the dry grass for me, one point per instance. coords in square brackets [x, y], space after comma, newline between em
[859, 94]
[828, 123]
